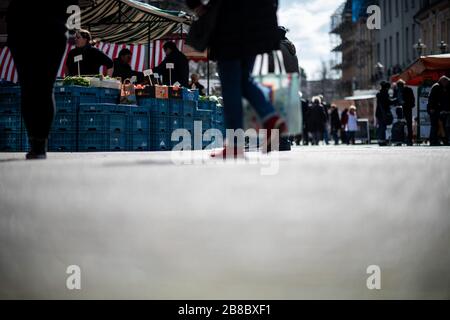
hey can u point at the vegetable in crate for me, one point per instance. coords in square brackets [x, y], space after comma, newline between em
[76, 81]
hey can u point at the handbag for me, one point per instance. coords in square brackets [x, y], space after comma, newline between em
[201, 30]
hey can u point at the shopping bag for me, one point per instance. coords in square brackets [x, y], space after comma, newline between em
[279, 87]
[127, 93]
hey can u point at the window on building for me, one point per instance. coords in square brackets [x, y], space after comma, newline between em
[385, 53]
[378, 53]
[396, 8]
[407, 44]
[413, 40]
[406, 5]
[390, 11]
[413, 4]
[397, 47]
[384, 12]
[391, 60]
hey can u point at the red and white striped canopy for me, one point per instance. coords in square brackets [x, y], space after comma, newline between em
[139, 57]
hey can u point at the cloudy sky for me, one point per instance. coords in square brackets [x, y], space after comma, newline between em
[308, 22]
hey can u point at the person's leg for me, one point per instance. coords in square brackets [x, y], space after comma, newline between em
[37, 73]
[434, 121]
[253, 93]
[230, 78]
[409, 124]
[381, 133]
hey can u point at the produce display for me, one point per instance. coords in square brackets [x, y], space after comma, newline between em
[76, 81]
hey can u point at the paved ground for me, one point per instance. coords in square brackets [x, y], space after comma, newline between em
[141, 227]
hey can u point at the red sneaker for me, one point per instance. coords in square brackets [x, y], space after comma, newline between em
[274, 123]
[228, 153]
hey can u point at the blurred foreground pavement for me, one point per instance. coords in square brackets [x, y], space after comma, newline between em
[141, 227]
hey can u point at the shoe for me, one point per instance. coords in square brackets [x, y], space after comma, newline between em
[285, 144]
[274, 123]
[38, 149]
[228, 153]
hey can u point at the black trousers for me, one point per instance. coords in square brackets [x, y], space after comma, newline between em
[409, 123]
[36, 38]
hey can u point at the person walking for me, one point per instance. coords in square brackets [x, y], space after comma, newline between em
[316, 120]
[335, 123]
[241, 31]
[383, 112]
[352, 125]
[439, 110]
[37, 73]
[405, 99]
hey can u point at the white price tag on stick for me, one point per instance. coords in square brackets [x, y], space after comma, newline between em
[156, 75]
[148, 73]
[77, 60]
[170, 66]
[133, 79]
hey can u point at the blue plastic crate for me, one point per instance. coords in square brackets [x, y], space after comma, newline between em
[159, 124]
[145, 101]
[67, 104]
[160, 142]
[139, 141]
[107, 95]
[10, 99]
[190, 95]
[62, 141]
[103, 118]
[10, 122]
[176, 107]
[102, 141]
[11, 141]
[160, 107]
[188, 123]
[83, 94]
[189, 108]
[175, 123]
[65, 122]
[139, 119]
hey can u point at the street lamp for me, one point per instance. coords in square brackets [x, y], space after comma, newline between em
[420, 46]
[443, 47]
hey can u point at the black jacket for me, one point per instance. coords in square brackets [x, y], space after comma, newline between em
[243, 28]
[438, 100]
[335, 121]
[408, 98]
[384, 103]
[124, 71]
[93, 59]
[316, 118]
[181, 71]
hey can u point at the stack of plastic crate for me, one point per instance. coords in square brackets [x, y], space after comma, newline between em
[103, 127]
[11, 131]
[159, 122]
[139, 129]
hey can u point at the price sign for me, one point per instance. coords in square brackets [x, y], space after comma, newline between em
[133, 79]
[148, 72]
[170, 66]
[78, 58]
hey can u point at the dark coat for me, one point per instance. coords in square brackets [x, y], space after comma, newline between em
[408, 99]
[335, 121]
[384, 103]
[243, 28]
[316, 118]
[181, 71]
[439, 99]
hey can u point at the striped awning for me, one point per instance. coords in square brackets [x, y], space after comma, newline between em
[139, 61]
[130, 21]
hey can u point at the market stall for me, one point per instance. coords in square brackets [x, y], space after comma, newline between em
[98, 113]
[423, 73]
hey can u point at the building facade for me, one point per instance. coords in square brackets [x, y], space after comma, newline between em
[434, 23]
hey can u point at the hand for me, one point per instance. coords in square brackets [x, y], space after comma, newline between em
[200, 10]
